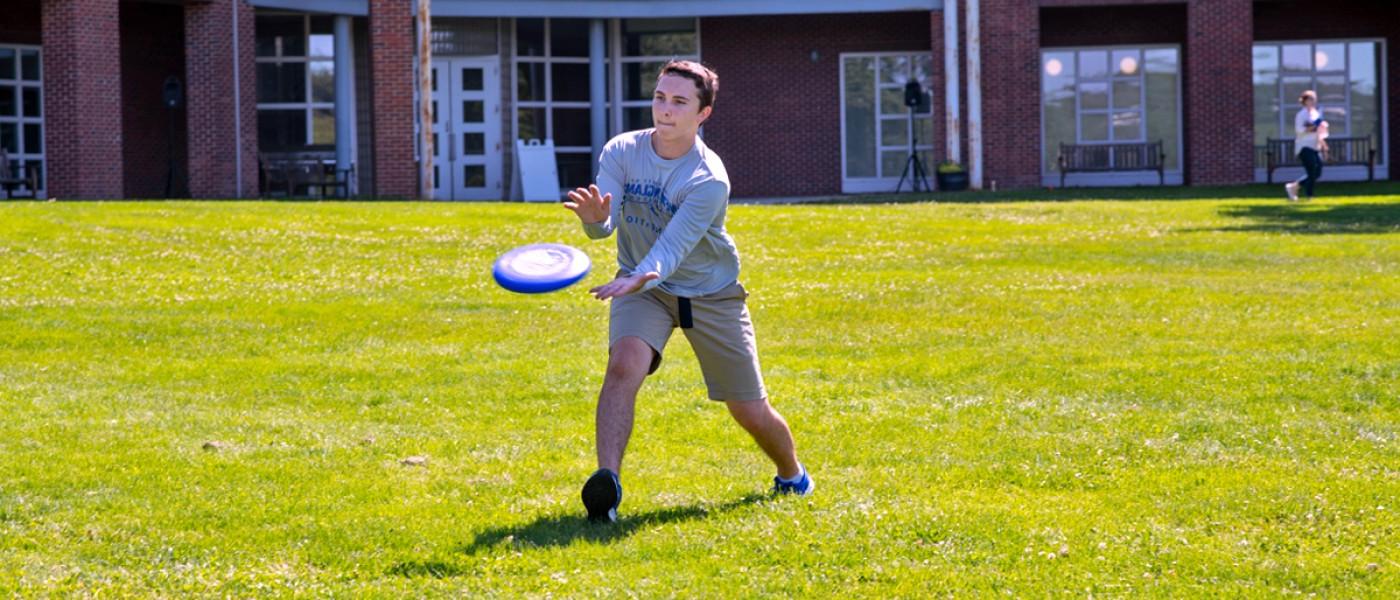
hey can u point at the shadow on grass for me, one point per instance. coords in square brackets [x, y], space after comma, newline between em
[563, 530]
[1308, 219]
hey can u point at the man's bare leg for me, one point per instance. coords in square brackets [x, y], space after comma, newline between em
[770, 431]
[628, 363]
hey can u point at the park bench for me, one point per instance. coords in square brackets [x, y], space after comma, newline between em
[294, 175]
[1098, 158]
[13, 175]
[1278, 153]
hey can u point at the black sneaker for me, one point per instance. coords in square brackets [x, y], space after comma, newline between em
[601, 495]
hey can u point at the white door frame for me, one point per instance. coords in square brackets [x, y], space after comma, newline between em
[467, 154]
[856, 185]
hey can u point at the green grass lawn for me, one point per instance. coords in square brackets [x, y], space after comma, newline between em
[1182, 397]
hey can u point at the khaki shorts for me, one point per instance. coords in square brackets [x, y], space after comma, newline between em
[719, 329]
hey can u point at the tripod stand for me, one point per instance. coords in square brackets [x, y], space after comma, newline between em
[913, 167]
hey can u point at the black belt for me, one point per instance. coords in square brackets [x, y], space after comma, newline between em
[687, 319]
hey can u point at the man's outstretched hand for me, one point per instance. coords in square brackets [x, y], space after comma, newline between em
[623, 285]
[590, 205]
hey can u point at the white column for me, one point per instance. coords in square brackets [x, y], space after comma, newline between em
[597, 88]
[952, 116]
[344, 96]
[974, 95]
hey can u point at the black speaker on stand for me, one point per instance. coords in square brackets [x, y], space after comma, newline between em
[173, 97]
[913, 167]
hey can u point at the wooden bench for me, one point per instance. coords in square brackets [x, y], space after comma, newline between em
[1098, 158]
[12, 177]
[295, 175]
[1278, 153]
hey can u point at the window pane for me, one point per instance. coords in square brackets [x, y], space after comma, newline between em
[1266, 99]
[1332, 100]
[38, 170]
[568, 37]
[530, 81]
[1162, 79]
[1093, 128]
[923, 128]
[322, 37]
[29, 65]
[529, 37]
[1093, 64]
[473, 111]
[322, 81]
[1293, 86]
[458, 36]
[1058, 97]
[636, 118]
[892, 162]
[894, 69]
[572, 127]
[639, 80]
[280, 35]
[474, 176]
[1126, 63]
[894, 132]
[530, 123]
[473, 143]
[9, 137]
[1297, 57]
[570, 81]
[1127, 94]
[281, 129]
[33, 139]
[281, 82]
[33, 105]
[575, 170]
[323, 127]
[892, 101]
[7, 63]
[1365, 95]
[9, 102]
[860, 116]
[1330, 58]
[658, 37]
[1093, 96]
[1127, 126]
[472, 80]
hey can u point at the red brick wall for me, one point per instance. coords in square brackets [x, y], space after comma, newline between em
[1276, 21]
[391, 38]
[1113, 25]
[152, 48]
[777, 119]
[1010, 32]
[215, 136]
[82, 98]
[22, 23]
[1218, 92]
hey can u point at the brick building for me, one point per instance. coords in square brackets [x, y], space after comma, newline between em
[811, 98]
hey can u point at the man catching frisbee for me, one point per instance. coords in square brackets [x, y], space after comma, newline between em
[677, 268]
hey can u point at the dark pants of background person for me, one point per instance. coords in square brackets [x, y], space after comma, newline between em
[1312, 163]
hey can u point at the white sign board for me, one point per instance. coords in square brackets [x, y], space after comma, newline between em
[539, 176]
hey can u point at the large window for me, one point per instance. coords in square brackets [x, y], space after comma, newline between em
[22, 108]
[1346, 75]
[1110, 95]
[296, 82]
[552, 81]
[877, 128]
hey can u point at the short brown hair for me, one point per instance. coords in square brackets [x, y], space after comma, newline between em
[705, 80]
[1308, 94]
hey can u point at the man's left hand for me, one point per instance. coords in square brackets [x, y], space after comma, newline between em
[623, 285]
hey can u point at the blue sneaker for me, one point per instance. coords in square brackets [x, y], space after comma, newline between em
[801, 487]
[601, 495]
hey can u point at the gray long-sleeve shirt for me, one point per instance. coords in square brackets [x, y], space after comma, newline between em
[668, 215]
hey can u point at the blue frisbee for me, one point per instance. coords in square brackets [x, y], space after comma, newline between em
[540, 268]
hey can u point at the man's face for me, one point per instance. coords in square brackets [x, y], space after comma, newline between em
[675, 107]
